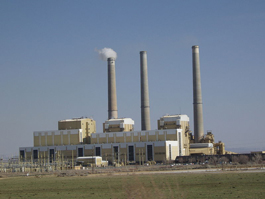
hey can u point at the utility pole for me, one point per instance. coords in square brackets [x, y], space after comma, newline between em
[72, 159]
[142, 157]
[53, 162]
[125, 160]
[118, 157]
[93, 160]
[139, 158]
[31, 163]
[44, 161]
[38, 162]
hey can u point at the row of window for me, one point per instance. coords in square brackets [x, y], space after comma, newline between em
[115, 152]
[80, 153]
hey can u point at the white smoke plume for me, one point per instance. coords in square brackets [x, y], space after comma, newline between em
[105, 53]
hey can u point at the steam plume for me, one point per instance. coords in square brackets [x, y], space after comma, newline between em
[105, 53]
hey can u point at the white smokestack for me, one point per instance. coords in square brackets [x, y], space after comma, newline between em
[109, 55]
[112, 96]
[106, 53]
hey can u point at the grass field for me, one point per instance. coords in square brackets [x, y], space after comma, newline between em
[190, 185]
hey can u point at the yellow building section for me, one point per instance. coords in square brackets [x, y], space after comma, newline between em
[74, 138]
[134, 136]
[219, 148]
[119, 138]
[65, 138]
[36, 140]
[174, 122]
[50, 139]
[215, 149]
[110, 139]
[91, 160]
[117, 128]
[160, 152]
[202, 149]
[43, 140]
[69, 153]
[118, 125]
[206, 151]
[144, 136]
[113, 152]
[57, 138]
[28, 155]
[140, 136]
[87, 125]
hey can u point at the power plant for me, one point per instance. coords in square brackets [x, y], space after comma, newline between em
[119, 142]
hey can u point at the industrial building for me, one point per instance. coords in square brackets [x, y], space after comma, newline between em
[123, 144]
[119, 142]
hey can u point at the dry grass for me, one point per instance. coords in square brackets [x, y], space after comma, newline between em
[131, 186]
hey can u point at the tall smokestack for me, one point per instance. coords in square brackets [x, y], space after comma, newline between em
[197, 95]
[112, 97]
[145, 108]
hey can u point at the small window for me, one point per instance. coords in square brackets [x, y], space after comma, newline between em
[98, 151]
[22, 154]
[52, 157]
[131, 153]
[80, 152]
[149, 152]
[116, 152]
[35, 154]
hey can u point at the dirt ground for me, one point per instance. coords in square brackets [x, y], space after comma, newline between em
[136, 169]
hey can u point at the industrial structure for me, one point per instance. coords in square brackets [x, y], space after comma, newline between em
[119, 142]
[145, 108]
[197, 95]
[112, 96]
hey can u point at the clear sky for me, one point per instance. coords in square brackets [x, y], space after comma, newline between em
[50, 70]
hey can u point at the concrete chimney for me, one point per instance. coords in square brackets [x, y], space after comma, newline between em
[145, 108]
[112, 96]
[197, 95]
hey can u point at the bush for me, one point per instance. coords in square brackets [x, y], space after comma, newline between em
[257, 158]
[243, 159]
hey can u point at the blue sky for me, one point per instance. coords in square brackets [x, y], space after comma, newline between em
[50, 70]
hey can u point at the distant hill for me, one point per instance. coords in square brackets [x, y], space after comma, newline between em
[245, 149]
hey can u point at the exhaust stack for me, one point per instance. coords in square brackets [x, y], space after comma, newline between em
[197, 95]
[145, 108]
[112, 96]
